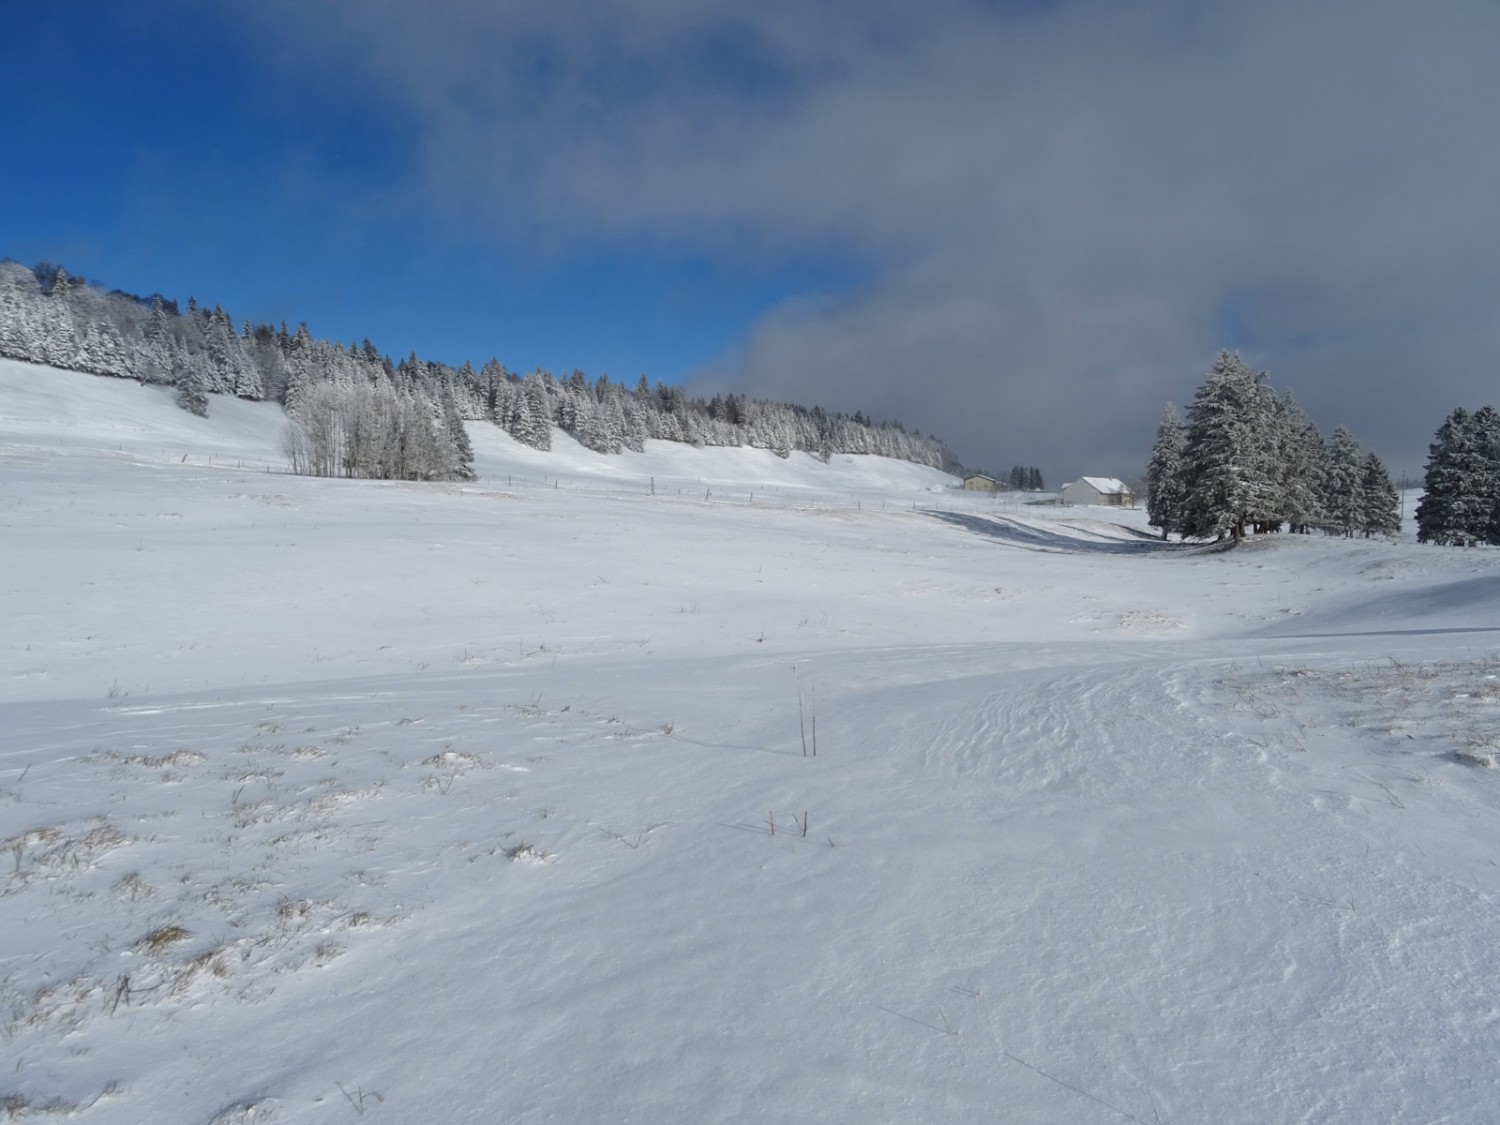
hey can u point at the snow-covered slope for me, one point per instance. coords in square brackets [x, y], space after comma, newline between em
[499, 802]
[44, 410]
[41, 408]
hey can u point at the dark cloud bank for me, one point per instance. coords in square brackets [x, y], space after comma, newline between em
[1061, 211]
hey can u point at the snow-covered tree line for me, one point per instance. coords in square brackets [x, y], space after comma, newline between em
[609, 417]
[1248, 458]
[1461, 501]
[48, 317]
[352, 412]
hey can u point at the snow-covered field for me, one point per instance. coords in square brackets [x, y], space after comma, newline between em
[324, 800]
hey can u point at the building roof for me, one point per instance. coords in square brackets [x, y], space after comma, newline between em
[1107, 486]
[980, 476]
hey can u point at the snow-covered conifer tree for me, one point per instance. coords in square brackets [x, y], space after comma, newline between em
[191, 393]
[57, 341]
[158, 353]
[492, 376]
[1265, 445]
[1300, 456]
[248, 382]
[1228, 471]
[19, 295]
[1462, 480]
[1166, 483]
[539, 411]
[1380, 510]
[1449, 463]
[462, 467]
[1481, 508]
[223, 352]
[1343, 498]
[300, 376]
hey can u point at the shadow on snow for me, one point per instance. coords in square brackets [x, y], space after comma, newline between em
[1068, 539]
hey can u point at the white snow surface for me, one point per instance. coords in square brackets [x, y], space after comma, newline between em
[325, 799]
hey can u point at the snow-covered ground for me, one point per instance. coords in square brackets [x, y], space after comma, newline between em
[326, 799]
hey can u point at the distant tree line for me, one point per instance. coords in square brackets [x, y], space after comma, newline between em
[1025, 478]
[1461, 502]
[1021, 478]
[1248, 459]
[352, 412]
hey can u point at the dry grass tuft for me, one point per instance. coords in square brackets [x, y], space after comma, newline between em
[48, 853]
[133, 888]
[528, 853]
[246, 1113]
[162, 938]
[327, 952]
[17, 1106]
[176, 759]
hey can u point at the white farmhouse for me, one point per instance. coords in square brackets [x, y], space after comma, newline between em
[1098, 490]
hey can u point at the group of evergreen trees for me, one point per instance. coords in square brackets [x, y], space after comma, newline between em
[609, 417]
[50, 317]
[1025, 478]
[351, 411]
[1249, 459]
[1461, 502]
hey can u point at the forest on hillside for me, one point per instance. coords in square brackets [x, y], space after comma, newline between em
[353, 412]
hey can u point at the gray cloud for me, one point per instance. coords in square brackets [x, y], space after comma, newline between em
[1065, 208]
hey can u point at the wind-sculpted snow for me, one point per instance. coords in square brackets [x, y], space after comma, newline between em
[558, 799]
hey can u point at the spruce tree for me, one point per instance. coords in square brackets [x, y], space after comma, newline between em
[1343, 487]
[1308, 461]
[492, 376]
[1227, 470]
[1482, 505]
[19, 296]
[1380, 511]
[1459, 485]
[248, 383]
[191, 395]
[300, 375]
[223, 367]
[453, 424]
[57, 335]
[1268, 499]
[1166, 492]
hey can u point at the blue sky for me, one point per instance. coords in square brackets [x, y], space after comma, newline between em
[173, 153]
[1021, 225]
